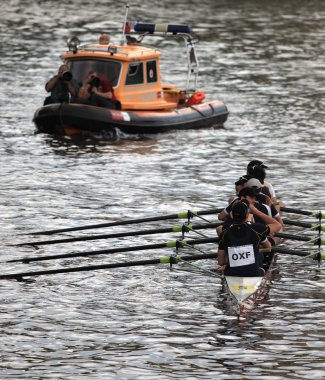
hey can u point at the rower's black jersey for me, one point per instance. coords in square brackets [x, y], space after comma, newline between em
[241, 243]
[265, 209]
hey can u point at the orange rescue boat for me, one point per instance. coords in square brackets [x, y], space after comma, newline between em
[146, 104]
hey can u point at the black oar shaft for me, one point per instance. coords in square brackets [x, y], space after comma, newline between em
[292, 251]
[162, 260]
[122, 234]
[313, 226]
[296, 237]
[194, 227]
[180, 215]
[317, 214]
[169, 244]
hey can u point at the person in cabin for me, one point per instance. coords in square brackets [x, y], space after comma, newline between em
[104, 39]
[62, 86]
[238, 251]
[131, 40]
[98, 91]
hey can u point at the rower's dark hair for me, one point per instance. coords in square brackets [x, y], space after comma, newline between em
[257, 172]
[240, 210]
[243, 179]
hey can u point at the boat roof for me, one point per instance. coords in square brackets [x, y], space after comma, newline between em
[116, 52]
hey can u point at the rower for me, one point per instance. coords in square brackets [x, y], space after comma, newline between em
[239, 244]
[245, 193]
[239, 185]
[264, 204]
[256, 169]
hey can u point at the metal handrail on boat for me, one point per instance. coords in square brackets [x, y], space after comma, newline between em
[192, 60]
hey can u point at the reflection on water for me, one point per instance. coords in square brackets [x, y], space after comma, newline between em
[63, 145]
[266, 62]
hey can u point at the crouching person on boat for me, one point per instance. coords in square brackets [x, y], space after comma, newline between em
[62, 87]
[98, 91]
[239, 244]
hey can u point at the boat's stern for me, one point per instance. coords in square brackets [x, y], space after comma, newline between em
[242, 287]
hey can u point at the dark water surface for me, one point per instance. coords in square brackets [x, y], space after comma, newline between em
[266, 61]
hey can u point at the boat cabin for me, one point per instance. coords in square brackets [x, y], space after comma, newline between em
[133, 70]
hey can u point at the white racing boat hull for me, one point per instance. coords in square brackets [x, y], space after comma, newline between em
[242, 288]
[247, 291]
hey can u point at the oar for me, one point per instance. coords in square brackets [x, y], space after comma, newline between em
[317, 214]
[309, 239]
[169, 244]
[177, 228]
[312, 226]
[182, 215]
[294, 252]
[161, 260]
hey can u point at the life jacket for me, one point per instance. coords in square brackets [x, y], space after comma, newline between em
[196, 98]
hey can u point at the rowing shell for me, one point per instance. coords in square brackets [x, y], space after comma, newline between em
[243, 287]
[247, 291]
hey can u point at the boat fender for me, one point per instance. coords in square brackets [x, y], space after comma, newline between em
[196, 98]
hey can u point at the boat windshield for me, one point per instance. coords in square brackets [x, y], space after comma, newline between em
[108, 68]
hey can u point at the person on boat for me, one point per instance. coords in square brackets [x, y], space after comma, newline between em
[264, 204]
[62, 86]
[263, 197]
[239, 185]
[98, 91]
[245, 193]
[256, 169]
[254, 184]
[104, 39]
[131, 40]
[262, 201]
[238, 251]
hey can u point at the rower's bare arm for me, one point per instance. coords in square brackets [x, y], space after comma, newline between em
[222, 260]
[266, 244]
[222, 215]
[279, 219]
[51, 83]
